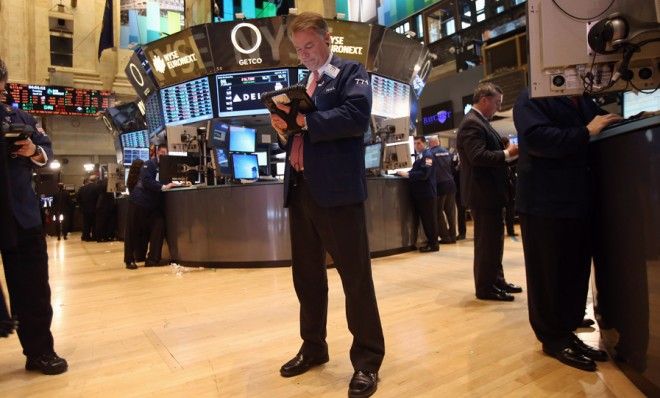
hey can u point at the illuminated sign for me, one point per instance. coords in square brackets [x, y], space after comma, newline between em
[437, 117]
[57, 100]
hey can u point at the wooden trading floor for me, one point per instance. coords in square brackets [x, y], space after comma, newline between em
[192, 332]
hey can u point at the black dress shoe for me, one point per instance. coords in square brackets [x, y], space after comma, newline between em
[586, 322]
[301, 364]
[495, 295]
[427, 249]
[131, 265]
[510, 288]
[152, 263]
[571, 357]
[588, 351]
[48, 364]
[460, 237]
[447, 242]
[363, 384]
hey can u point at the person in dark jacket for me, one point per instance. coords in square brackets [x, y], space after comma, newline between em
[62, 211]
[105, 215]
[25, 261]
[554, 205]
[484, 160]
[132, 244]
[509, 207]
[7, 229]
[324, 190]
[424, 193]
[446, 191]
[87, 197]
[147, 198]
[461, 211]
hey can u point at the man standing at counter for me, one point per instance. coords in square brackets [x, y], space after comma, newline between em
[325, 189]
[554, 205]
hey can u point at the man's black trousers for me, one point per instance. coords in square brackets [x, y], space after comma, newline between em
[341, 231]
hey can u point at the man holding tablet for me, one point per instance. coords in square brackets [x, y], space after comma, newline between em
[325, 189]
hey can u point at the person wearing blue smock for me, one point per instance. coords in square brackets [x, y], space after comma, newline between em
[324, 190]
[446, 191]
[554, 202]
[423, 191]
[26, 262]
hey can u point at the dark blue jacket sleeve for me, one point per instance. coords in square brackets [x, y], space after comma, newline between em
[38, 138]
[350, 119]
[544, 137]
[424, 172]
[148, 177]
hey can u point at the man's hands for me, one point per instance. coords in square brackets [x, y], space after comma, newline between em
[280, 125]
[26, 148]
[597, 124]
[169, 186]
[402, 174]
[512, 149]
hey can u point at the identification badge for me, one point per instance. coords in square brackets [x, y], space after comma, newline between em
[332, 71]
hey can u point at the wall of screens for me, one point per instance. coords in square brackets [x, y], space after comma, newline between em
[390, 97]
[154, 113]
[240, 93]
[187, 102]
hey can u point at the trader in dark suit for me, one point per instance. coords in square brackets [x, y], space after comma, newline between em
[26, 262]
[423, 191]
[62, 206]
[149, 221]
[325, 189]
[446, 191]
[87, 197]
[484, 161]
[554, 205]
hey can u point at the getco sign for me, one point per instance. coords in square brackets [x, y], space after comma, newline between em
[260, 42]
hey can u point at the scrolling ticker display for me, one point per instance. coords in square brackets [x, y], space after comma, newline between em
[58, 100]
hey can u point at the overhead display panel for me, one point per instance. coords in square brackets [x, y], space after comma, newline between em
[187, 102]
[397, 56]
[58, 100]
[139, 75]
[390, 98]
[180, 57]
[253, 44]
[154, 114]
[350, 40]
[240, 93]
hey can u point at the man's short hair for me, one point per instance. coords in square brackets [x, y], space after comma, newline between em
[485, 90]
[420, 137]
[161, 146]
[4, 73]
[308, 20]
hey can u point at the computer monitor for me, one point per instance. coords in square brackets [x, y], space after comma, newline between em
[242, 139]
[245, 166]
[177, 168]
[263, 157]
[219, 134]
[239, 94]
[220, 159]
[154, 114]
[390, 98]
[187, 102]
[135, 139]
[130, 154]
[373, 156]
[634, 103]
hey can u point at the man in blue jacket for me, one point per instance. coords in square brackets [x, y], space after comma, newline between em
[325, 189]
[150, 222]
[423, 190]
[446, 191]
[26, 262]
[554, 204]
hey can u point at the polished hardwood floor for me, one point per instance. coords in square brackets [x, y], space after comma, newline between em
[192, 332]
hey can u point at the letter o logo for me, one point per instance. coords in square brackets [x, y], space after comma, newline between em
[235, 42]
[137, 75]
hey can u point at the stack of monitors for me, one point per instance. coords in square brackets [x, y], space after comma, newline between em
[135, 145]
[187, 102]
[391, 98]
[242, 144]
[239, 94]
[154, 114]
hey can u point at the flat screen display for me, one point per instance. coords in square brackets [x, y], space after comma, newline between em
[635, 103]
[219, 134]
[131, 154]
[262, 157]
[221, 162]
[390, 98]
[302, 74]
[239, 94]
[58, 100]
[242, 139]
[245, 166]
[187, 102]
[154, 114]
[135, 139]
[372, 156]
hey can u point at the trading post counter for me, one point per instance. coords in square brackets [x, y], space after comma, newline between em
[247, 225]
